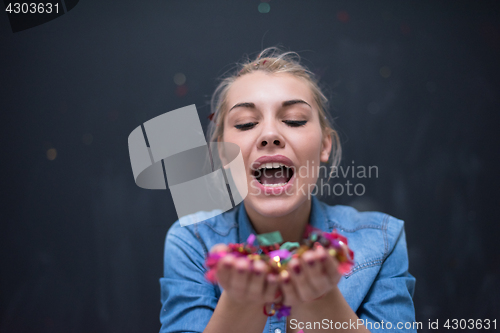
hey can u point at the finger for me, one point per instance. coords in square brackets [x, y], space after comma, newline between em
[224, 269]
[345, 249]
[290, 295]
[331, 265]
[219, 248]
[314, 260]
[300, 280]
[239, 277]
[315, 271]
[271, 287]
[257, 279]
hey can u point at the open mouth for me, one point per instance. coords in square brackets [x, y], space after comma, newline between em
[273, 174]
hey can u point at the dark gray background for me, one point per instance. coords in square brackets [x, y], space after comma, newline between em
[81, 245]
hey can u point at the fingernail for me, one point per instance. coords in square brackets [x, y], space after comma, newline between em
[296, 269]
[286, 281]
[322, 259]
[257, 273]
[241, 270]
[311, 263]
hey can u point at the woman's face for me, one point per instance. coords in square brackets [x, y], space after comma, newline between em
[275, 122]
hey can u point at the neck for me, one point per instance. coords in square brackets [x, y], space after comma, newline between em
[291, 226]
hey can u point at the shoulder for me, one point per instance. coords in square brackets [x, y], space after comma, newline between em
[371, 235]
[378, 242]
[211, 228]
[350, 220]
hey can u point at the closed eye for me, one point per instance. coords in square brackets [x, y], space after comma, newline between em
[245, 126]
[295, 123]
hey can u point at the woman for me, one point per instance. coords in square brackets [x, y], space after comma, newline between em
[274, 110]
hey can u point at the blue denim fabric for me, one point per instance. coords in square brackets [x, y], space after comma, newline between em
[379, 287]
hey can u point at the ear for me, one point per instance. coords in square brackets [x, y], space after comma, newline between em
[326, 148]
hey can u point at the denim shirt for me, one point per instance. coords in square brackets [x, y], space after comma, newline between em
[379, 287]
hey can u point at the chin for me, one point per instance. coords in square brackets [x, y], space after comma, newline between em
[274, 205]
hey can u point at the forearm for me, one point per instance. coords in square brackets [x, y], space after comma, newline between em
[230, 316]
[330, 309]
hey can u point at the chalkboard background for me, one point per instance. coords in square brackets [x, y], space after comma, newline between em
[414, 91]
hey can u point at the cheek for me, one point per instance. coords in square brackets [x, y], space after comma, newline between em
[242, 141]
[308, 147]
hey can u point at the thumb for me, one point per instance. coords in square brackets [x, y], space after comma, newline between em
[219, 248]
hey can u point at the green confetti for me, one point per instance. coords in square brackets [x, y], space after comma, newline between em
[314, 237]
[270, 238]
[289, 246]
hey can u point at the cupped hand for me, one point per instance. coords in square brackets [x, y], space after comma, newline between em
[246, 281]
[309, 277]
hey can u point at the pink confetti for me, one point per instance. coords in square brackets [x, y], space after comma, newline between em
[251, 239]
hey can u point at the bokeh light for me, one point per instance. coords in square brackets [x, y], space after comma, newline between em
[51, 154]
[343, 16]
[405, 29]
[264, 7]
[373, 108]
[181, 90]
[385, 72]
[87, 139]
[179, 79]
[113, 114]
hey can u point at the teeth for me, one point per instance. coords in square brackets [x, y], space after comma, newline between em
[273, 165]
[274, 185]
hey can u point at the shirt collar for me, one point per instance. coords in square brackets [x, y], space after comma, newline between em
[316, 220]
[244, 225]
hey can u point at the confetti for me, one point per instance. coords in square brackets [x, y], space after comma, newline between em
[277, 256]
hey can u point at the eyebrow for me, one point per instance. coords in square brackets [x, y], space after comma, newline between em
[284, 104]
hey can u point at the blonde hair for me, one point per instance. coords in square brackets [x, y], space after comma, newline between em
[273, 60]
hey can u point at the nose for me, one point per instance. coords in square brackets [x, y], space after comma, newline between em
[270, 138]
[276, 142]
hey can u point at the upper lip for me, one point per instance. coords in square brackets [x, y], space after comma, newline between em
[270, 159]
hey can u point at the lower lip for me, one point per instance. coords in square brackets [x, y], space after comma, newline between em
[274, 190]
